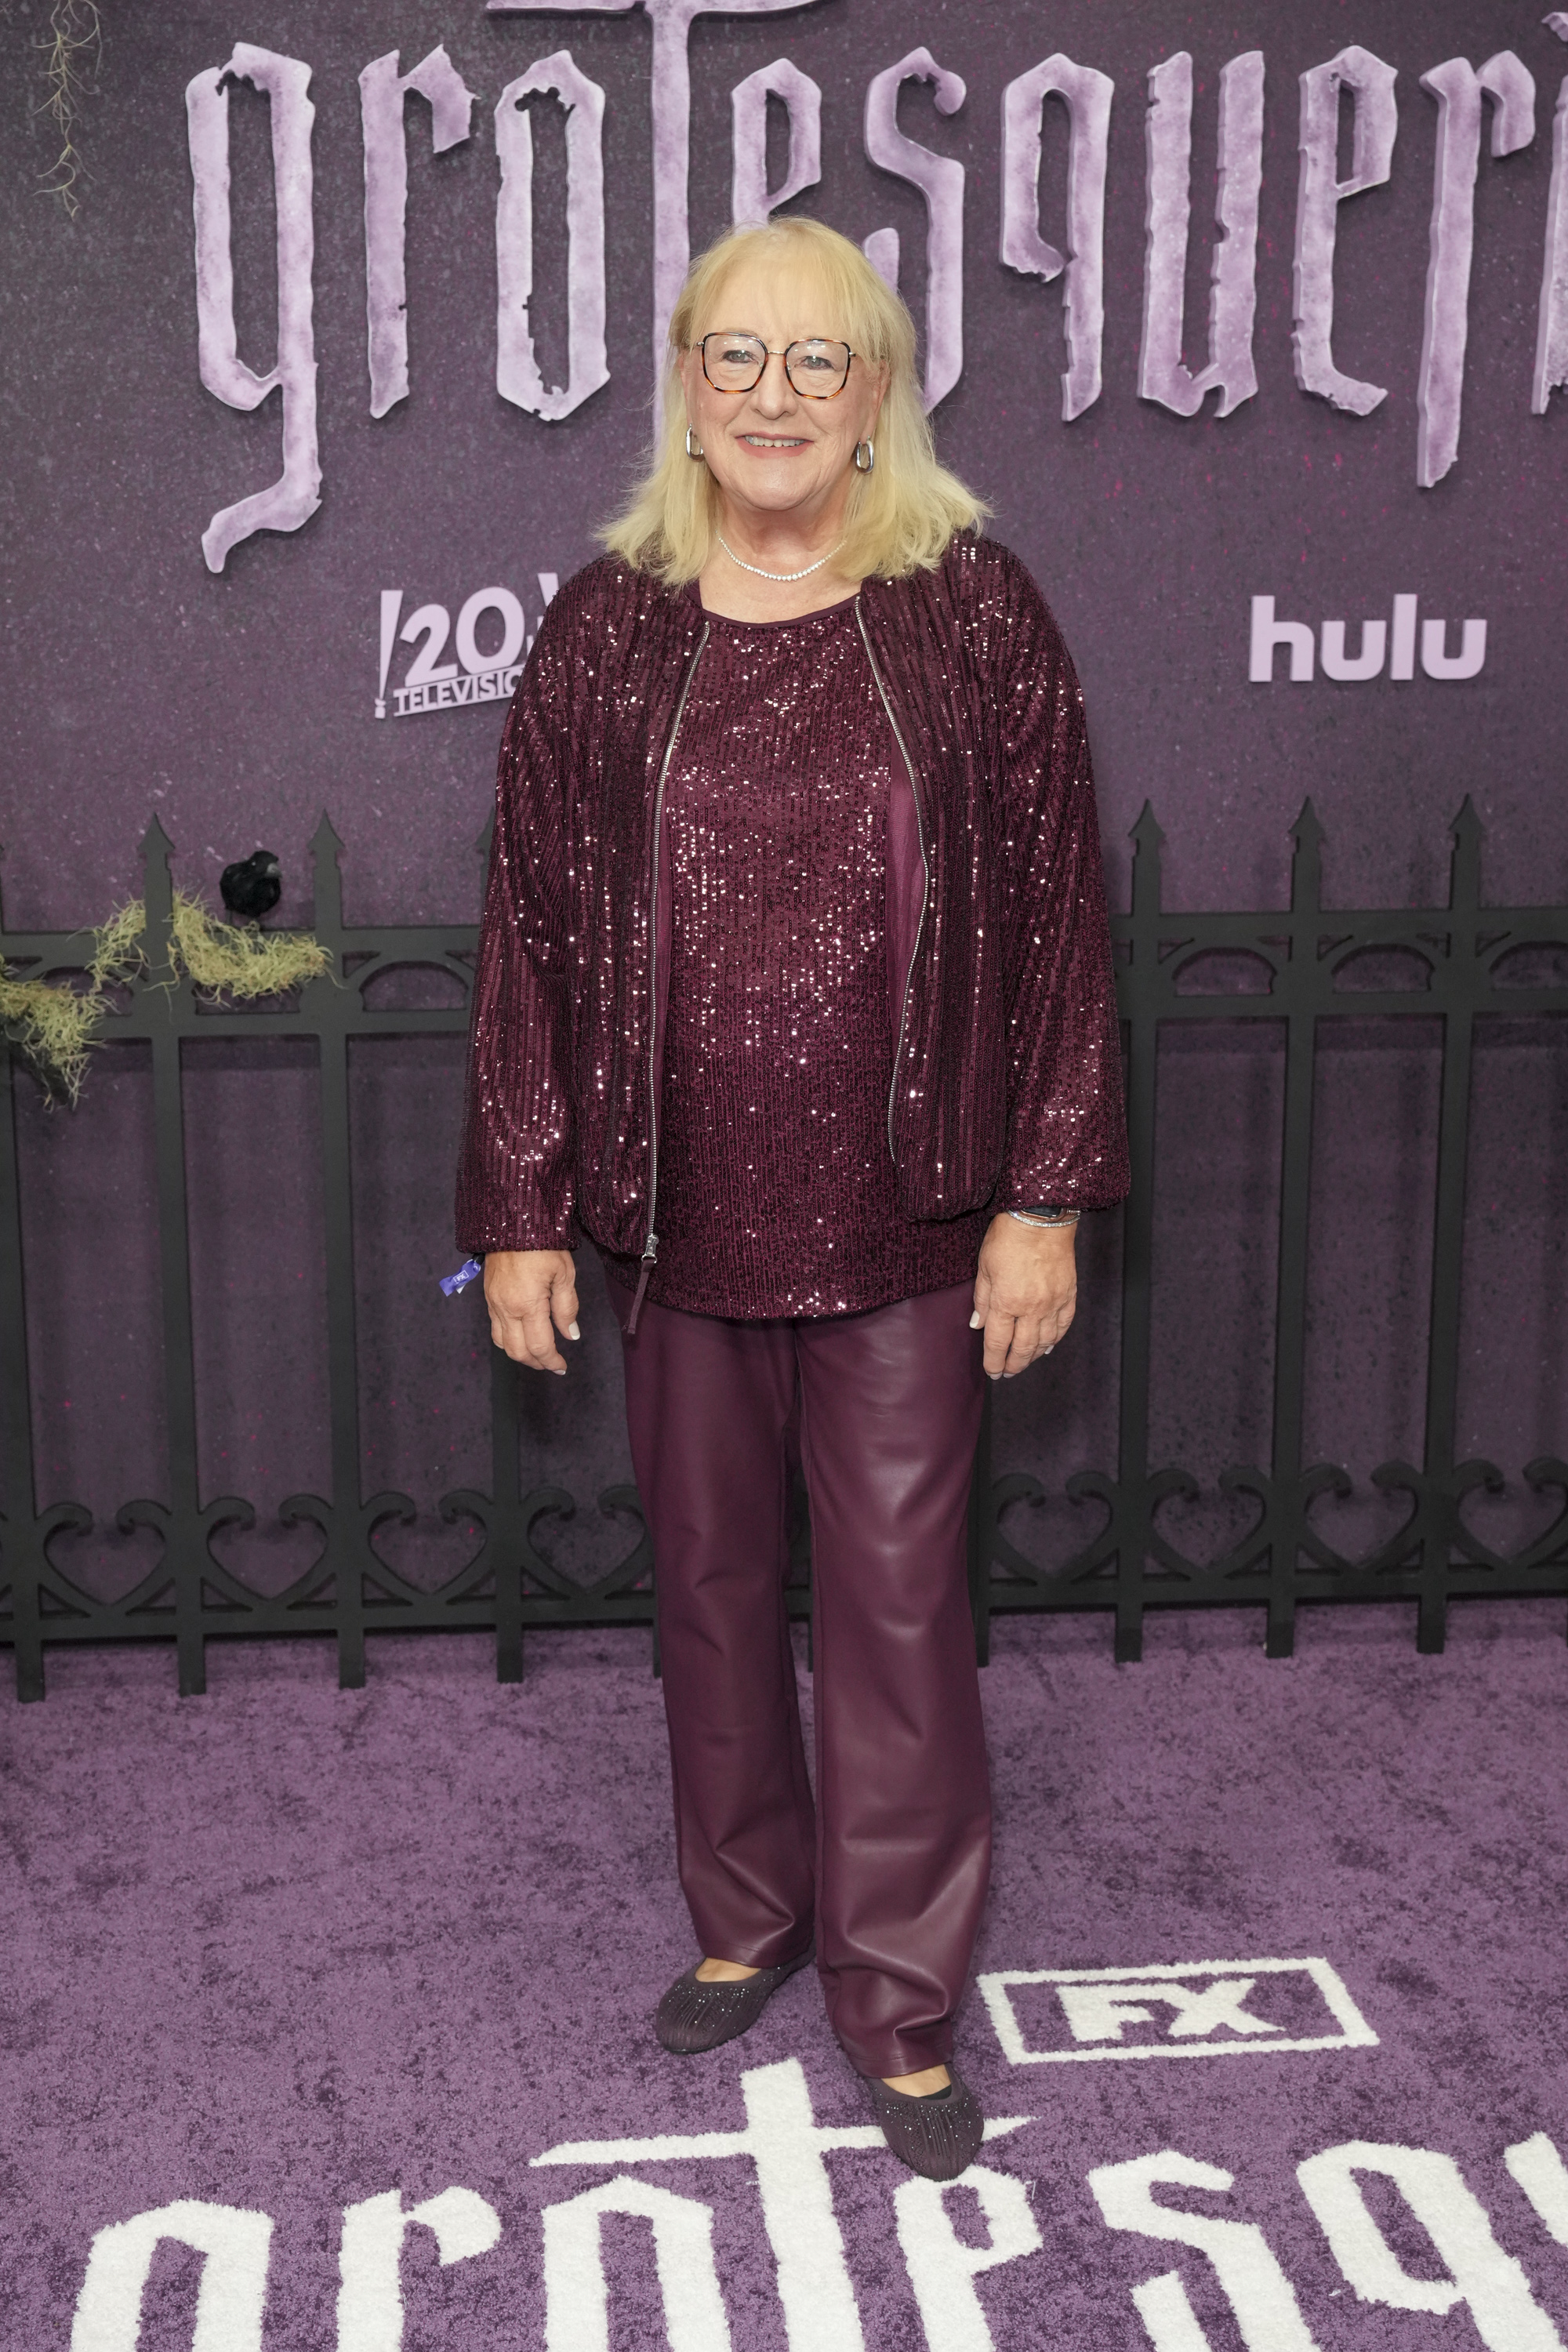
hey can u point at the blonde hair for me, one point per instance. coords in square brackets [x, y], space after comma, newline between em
[900, 516]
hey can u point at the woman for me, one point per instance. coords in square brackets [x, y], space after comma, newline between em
[795, 995]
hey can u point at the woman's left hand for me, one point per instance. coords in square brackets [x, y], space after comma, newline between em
[1025, 1292]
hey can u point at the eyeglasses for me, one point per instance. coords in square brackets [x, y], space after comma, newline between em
[735, 361]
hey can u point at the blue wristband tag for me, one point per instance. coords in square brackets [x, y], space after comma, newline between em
[470, 1269]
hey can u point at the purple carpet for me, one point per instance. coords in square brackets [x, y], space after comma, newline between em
[286, 1954]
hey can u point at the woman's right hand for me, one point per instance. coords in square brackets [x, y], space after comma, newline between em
[528, 1292]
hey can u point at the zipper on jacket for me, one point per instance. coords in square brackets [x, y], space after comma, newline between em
[650, 1247]
[925, 871]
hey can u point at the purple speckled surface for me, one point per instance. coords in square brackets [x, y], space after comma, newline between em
[287, 1947]
[236, 706]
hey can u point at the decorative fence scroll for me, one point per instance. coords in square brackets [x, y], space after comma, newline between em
[510, 1585]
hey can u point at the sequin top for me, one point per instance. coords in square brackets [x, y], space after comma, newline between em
[775, 1182]
[1007, 1082]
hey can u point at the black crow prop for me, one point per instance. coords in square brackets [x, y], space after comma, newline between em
[252, 886]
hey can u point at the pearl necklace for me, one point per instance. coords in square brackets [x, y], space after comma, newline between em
[780, 576]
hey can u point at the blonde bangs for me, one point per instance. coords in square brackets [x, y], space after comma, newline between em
[900, 516]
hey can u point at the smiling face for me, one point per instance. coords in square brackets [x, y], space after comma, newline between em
[776, 453]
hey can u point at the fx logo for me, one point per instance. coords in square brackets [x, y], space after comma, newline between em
[1200, 2009]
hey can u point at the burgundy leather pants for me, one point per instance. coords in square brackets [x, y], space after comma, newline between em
[889, 1869]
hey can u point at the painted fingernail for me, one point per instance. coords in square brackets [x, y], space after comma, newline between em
[976, 1323]
[572, 1332]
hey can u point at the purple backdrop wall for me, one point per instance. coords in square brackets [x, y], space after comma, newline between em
[238, 703]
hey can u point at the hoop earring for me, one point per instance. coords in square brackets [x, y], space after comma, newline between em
[864, 467]
[693, 448]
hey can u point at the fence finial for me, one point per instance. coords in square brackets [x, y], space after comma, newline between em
[1307, 865]
[158, 903]
[326, 909]
[1467, 833]
[1148, 841]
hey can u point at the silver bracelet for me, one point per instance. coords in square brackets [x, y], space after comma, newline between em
[1058, 1217]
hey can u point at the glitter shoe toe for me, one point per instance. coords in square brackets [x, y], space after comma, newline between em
[936, 2137]
[694, 2016]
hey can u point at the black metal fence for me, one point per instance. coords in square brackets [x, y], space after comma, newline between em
[1467, 968]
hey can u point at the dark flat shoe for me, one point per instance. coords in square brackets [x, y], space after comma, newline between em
[936, 2137]
[694, 2016]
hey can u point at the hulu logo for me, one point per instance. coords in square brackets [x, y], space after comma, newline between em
[1388, 645]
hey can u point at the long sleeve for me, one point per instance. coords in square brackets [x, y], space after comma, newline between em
[1066, 1134]
[515, 1180]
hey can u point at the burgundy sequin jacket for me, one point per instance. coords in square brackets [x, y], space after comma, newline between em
[1007, 1081]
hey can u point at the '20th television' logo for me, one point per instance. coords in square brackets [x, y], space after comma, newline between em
[482, 673]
